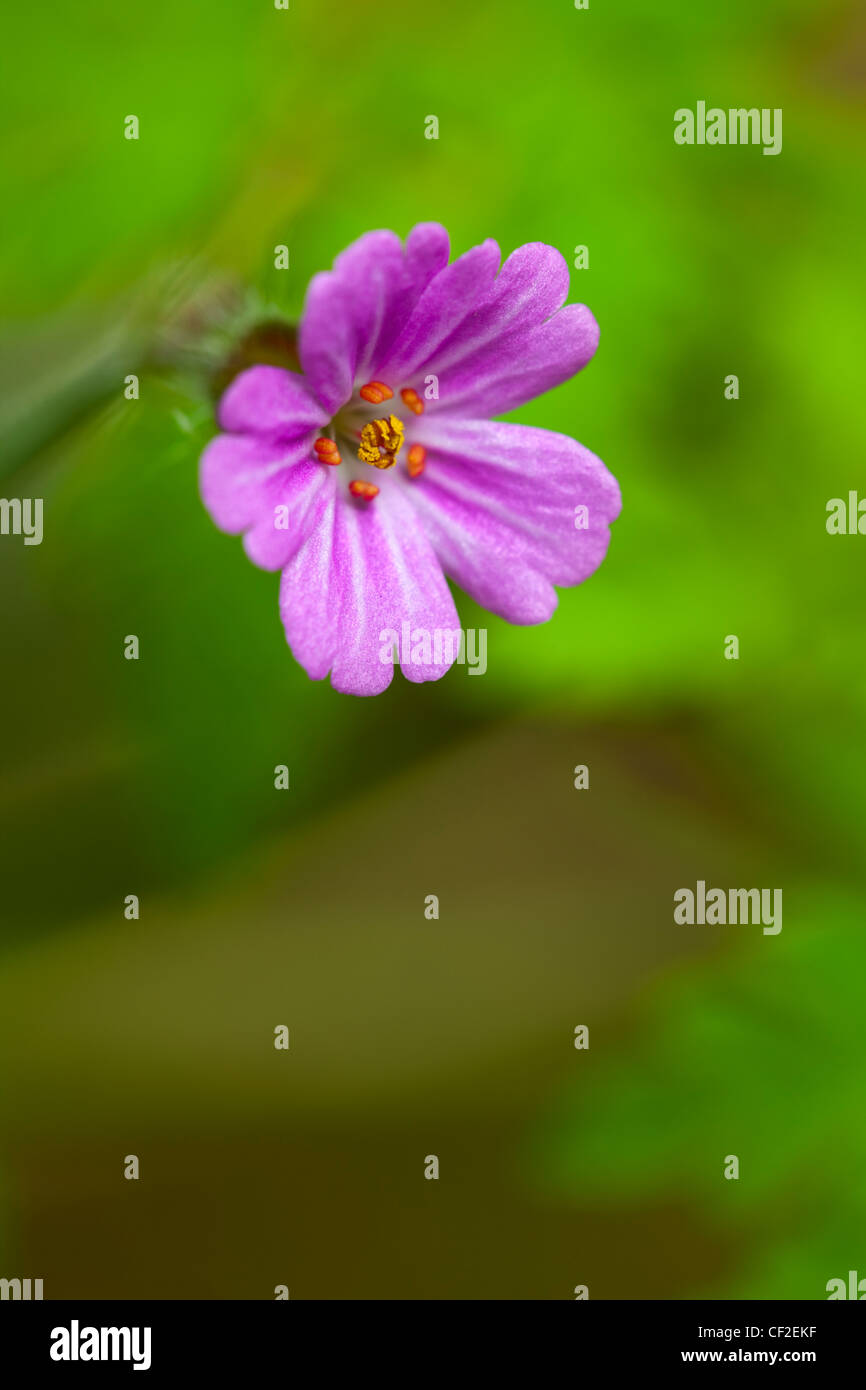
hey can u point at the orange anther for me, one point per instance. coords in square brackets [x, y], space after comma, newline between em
[327, 451]
[417, 457]
[365, 490]
[413, 400]
[375, 392]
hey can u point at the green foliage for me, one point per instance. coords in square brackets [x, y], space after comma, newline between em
[759, 1056]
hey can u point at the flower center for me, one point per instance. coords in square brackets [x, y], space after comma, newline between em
[377, 441]
[381, 442]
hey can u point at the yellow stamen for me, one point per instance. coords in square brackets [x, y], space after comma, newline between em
[381, 442]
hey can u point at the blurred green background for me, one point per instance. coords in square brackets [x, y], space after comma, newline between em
[558, 1167]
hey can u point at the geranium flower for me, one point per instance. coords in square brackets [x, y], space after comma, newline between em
[378, 470]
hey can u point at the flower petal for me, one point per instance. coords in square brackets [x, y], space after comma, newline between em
[498, 503]
[244, 480]
[363, 573]
[237, 472]
[532, 285]
[327, 343]
[427, 248]
[298, 501]
[450, 296]
[270, 402]
[390, 576]
[371, 272]
[310, 597]
[507, 373]
[353, 311]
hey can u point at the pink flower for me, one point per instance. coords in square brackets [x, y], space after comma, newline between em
[378, 471]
